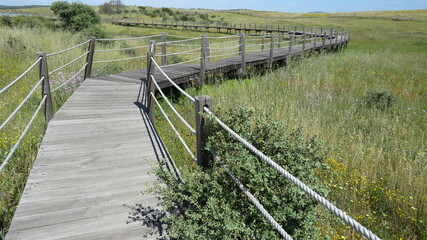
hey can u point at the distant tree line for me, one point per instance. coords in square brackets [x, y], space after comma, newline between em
[117, 7]
[112, 7]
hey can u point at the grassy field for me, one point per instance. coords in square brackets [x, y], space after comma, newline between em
[368, 104]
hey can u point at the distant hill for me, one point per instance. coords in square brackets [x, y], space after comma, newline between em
[21, 7]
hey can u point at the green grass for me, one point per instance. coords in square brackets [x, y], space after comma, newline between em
[18, 52]
[378, 155]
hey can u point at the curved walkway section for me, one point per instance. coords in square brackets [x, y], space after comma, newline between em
[93, 163]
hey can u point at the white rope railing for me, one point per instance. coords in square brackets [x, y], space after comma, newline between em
[121, 49]
[173, 128]
[225, 48]
[21, 104]
[177, 53]
[68, 49]
[178, 41]
[254, 39]
[172, 82]
[133, 38]
[225, 55]
[233, 36]
[15, 146]
[350, 221]
[20, 76]
[170, 35]
[257, 44]
[75, 75]
[257, 204]
[71, 62]
[184, 62]
[172, 107]
[116, 60]
[183, 45]
[252, 51]
[222, 43]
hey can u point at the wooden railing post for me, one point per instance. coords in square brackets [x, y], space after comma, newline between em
[208, 50]
[280, 40]
[263, 43]
[331, 36]
[315, 41]
[303, 40]
[164, 62]
[89, 58]
[150, 84]
[323, 39]
[291, 42]
[202, 62]
[242, 50]
[201, 154]
[336, 36]
[270, 60]
[345, 38]
[43, 72]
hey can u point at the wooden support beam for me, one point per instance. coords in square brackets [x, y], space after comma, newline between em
[208, 51]
[202, 76]
[303, 40]
[291, 42]
[150, 84]
[89, 58]
[164, 61]
[44, 73]
[263, 43]
[271, 59]
[242, 50]
[201, 154]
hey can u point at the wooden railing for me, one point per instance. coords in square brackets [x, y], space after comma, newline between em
[203, 105]
[218, 26]
[306, 42]
[242, 44]
[317, 41]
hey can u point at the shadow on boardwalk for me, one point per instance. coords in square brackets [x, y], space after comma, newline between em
[152, 218]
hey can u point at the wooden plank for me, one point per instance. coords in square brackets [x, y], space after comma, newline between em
[95, 158]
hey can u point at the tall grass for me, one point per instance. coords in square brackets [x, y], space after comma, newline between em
[368, 104]
[378, 154]
[17, 53]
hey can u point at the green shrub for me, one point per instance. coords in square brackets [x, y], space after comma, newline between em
[379, 99]
[208, 205]
[93, 31]
[75, 16]
[6, 20]
[26, 22]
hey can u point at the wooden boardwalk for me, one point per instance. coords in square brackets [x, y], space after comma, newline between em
[229, 28]
[184, 73]
[96, 156]
[93, 163]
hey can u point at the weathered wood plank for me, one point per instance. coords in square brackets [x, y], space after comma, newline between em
[95, 158]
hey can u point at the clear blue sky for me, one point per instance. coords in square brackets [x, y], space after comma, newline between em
[270, 5]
